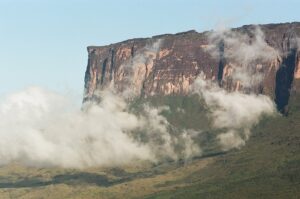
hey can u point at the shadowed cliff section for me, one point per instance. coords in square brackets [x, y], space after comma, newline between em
[221, 62]
[284, 80]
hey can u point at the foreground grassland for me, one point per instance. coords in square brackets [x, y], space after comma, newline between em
[267, 167]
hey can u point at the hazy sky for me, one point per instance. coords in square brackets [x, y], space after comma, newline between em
[43, 42]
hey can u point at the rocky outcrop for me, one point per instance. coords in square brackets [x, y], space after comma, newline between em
[168, 64]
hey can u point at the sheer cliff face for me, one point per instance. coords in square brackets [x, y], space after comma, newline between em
[169, 64]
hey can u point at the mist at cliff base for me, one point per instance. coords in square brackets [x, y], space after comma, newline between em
[42, 128]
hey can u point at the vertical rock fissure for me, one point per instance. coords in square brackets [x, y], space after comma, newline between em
[87, 77]
[103, 71]
[284, 80]
[222, 62]
[144, 82]
[132, 51]
[112, 64]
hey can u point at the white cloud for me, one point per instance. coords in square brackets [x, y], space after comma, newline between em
[243, 52]
[42, 128]
[234, 112]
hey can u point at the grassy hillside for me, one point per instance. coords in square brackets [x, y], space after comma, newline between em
[267, 167]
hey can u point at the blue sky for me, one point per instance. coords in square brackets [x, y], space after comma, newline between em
[43, 42]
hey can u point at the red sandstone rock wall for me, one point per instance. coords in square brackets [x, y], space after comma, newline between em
[168, 64]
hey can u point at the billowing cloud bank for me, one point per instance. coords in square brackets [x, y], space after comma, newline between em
[236, 112]
[42, 128]
[243, 52]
